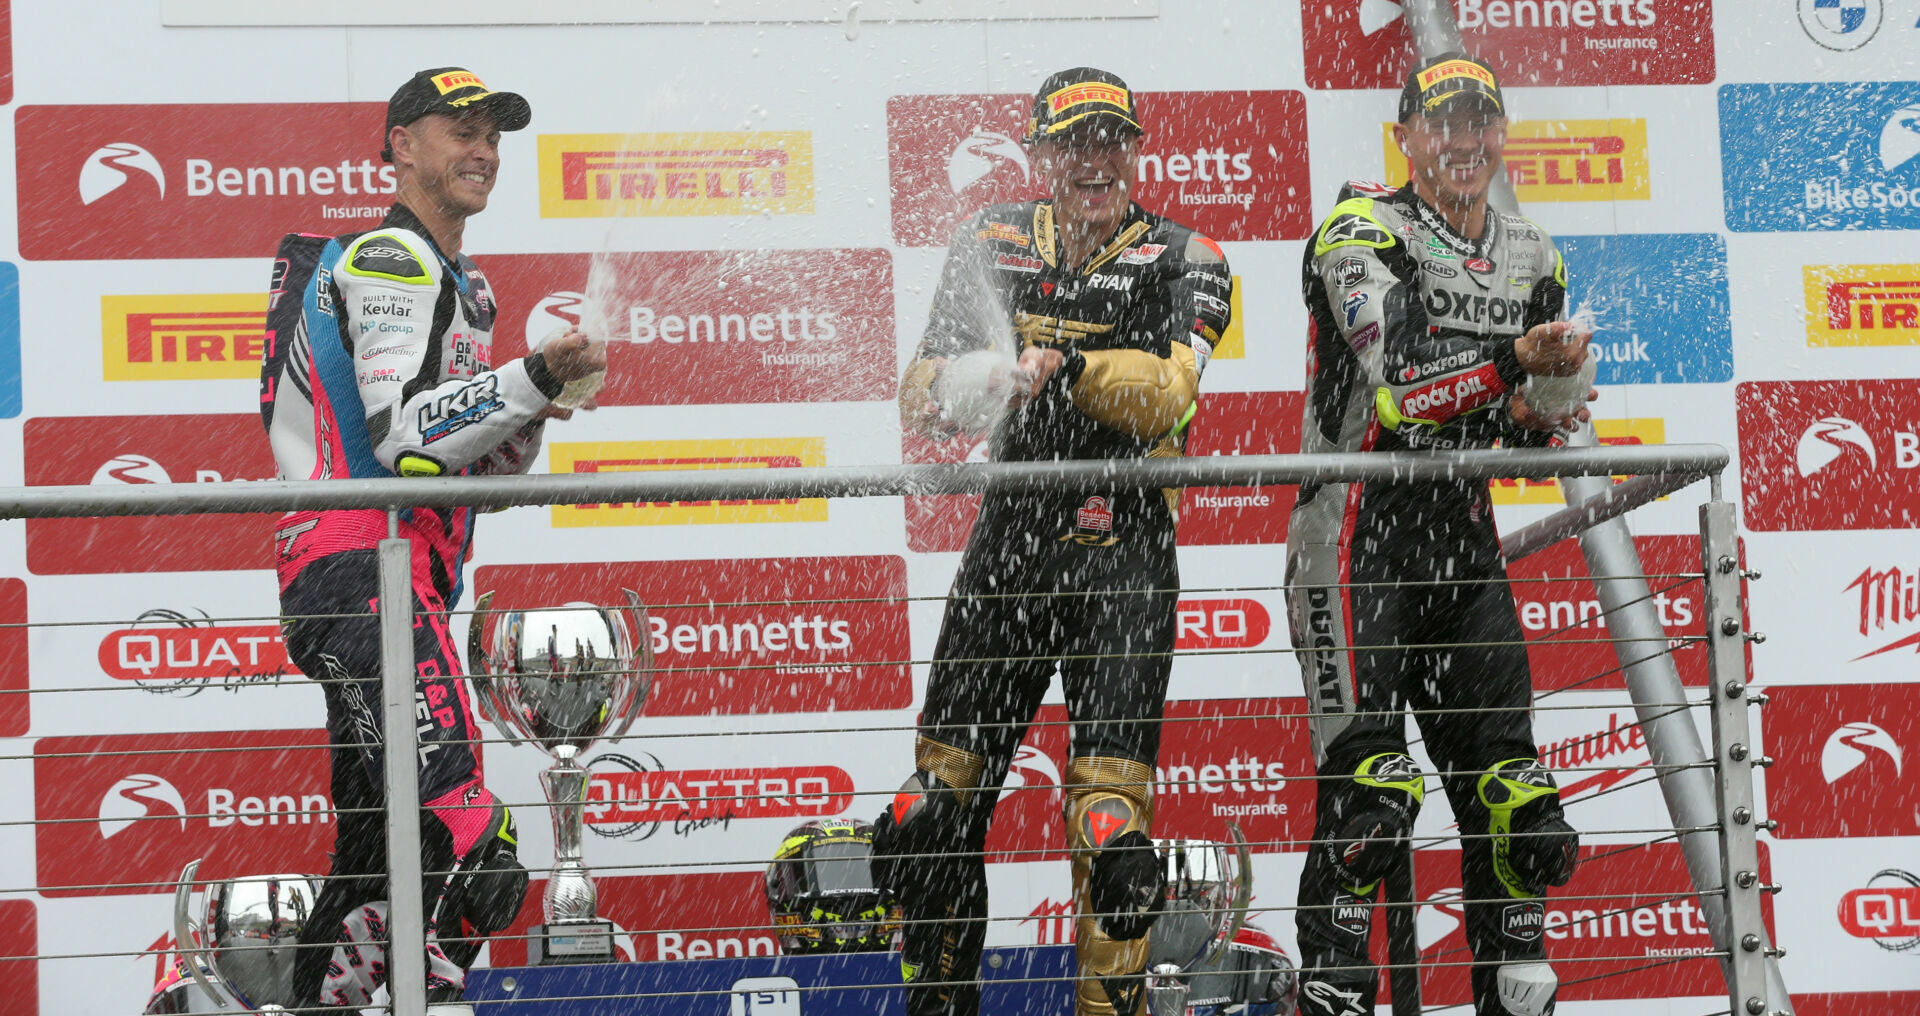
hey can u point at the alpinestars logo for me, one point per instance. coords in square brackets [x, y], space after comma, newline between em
[1329, 999]
[122, 807]
[1845, 749]
[130, 468]
[1822, 442]
[108, 167]
[1900, 138]
[981, 155]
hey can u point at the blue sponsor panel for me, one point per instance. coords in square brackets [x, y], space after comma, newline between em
[1841, 155]
[9, 341]
[1659, 305]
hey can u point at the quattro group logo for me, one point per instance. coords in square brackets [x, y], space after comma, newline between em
[1564, 160]
[643, 456]
[807, 634]
[1819, 455]
[135, 809]
[1886, 911]
[1546, 490]
[1365, 44]
[712, 327]
[636, 797]
[176, 337]
[1862, 305]
[1840, 754]
[1842, 155]
[1659, 305]
[724, 173]
[216, 181]
[1231, 164]
[172, 652]
[107, 450]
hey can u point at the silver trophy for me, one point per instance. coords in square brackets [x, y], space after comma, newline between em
[1208, 887]
[562, 679]
[239, 956]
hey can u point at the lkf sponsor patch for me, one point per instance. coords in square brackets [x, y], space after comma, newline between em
[718, 173]
[136, 808]
[1838, 155]
[1659, 303]
[182, 337]
[713, 327]
[194, 181]
[810, 634]
[673, 456]
[110, 450]
[1819, 455]
[1232, 165]
[1364, 43]
[1840, 757]
[1862, 305]
[1631, 432]
[1564, 160]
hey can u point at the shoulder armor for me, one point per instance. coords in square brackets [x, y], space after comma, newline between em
[1201, 250]
[1352, 223]
[388, 254]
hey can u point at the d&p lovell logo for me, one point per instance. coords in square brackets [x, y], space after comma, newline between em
[644, 456]
[1829, 156]
[721, 173]
[182, 337]
[1563, 160]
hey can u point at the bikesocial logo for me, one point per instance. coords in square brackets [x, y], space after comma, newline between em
[1828, 156]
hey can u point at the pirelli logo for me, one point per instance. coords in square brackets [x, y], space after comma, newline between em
[736, 173]
[182, 337]
[1564, 160]
[1455, 69]
[635, 456]
[456, 79]
[1546, 490]
[1862, 305]
[1091, 91]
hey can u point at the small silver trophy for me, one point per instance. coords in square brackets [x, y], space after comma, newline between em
[562, 679]
[240, 955]
[1208, 887]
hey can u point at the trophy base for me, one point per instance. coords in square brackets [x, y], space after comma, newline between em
[573, 942]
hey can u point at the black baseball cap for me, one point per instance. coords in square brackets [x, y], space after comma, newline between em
[450, 90]
[1080, 98]
[1448, 83]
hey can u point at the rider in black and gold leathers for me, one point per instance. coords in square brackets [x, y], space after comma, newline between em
[1113, 312]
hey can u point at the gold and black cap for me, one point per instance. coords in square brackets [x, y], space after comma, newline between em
[1083, 100]
[1451, 83]
[450, 91]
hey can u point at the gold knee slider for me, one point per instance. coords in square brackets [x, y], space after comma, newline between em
[958, 768]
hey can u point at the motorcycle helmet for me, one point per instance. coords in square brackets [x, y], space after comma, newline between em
[821, 894]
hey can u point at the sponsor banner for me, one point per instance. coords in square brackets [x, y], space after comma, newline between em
[1639, 907]
[1566, 630]
[706, 327]
[1232, 165]
[81, 450]
[718, 173]
[1840, 753]
[1546, 489]
[636, 456]
[808, 634]
[1829, 455]
[1528, 42]
[137, 808]
[182, 337]
[695, 915]
[656, 12]
[1220, 760]
[15, 703]
[1838, 155]
[1852, 1003]
[1889, 609]
[9, 333]
[1885, 911]
[202, 180]
[1219, 623]
[1862, 305]
[20, 933]
[175, 653]
[1564, 160]
[1659, 304]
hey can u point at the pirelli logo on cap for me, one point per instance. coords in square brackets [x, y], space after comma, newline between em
[1862, 305]
[1563, 160]
[1455, 69]
[637, 456]
[453, 80]
[725, 173]
[1091, 91]
[1631, 431]
[193, 337]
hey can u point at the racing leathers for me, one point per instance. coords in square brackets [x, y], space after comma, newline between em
[389, 374]
[1083, 581]
[1412, 347]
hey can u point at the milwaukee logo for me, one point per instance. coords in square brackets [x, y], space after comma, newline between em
[738, 173]
[175, 338]
[640, 456]
[1888, 596]
[1862, 305]
[1052, 920]
[1565, 160]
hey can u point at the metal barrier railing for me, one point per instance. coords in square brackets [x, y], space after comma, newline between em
[1710, 797]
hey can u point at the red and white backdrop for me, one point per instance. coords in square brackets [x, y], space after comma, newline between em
[1741, 226]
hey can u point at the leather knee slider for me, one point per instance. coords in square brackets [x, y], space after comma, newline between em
[493, 887]
[927, 814]
[1374, 816]
[1533, 846]
[1109, 812]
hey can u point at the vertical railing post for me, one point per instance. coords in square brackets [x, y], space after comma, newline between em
[406, 920]
[1748, 950]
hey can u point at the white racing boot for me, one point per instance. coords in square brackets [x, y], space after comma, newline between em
[1526, 989]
